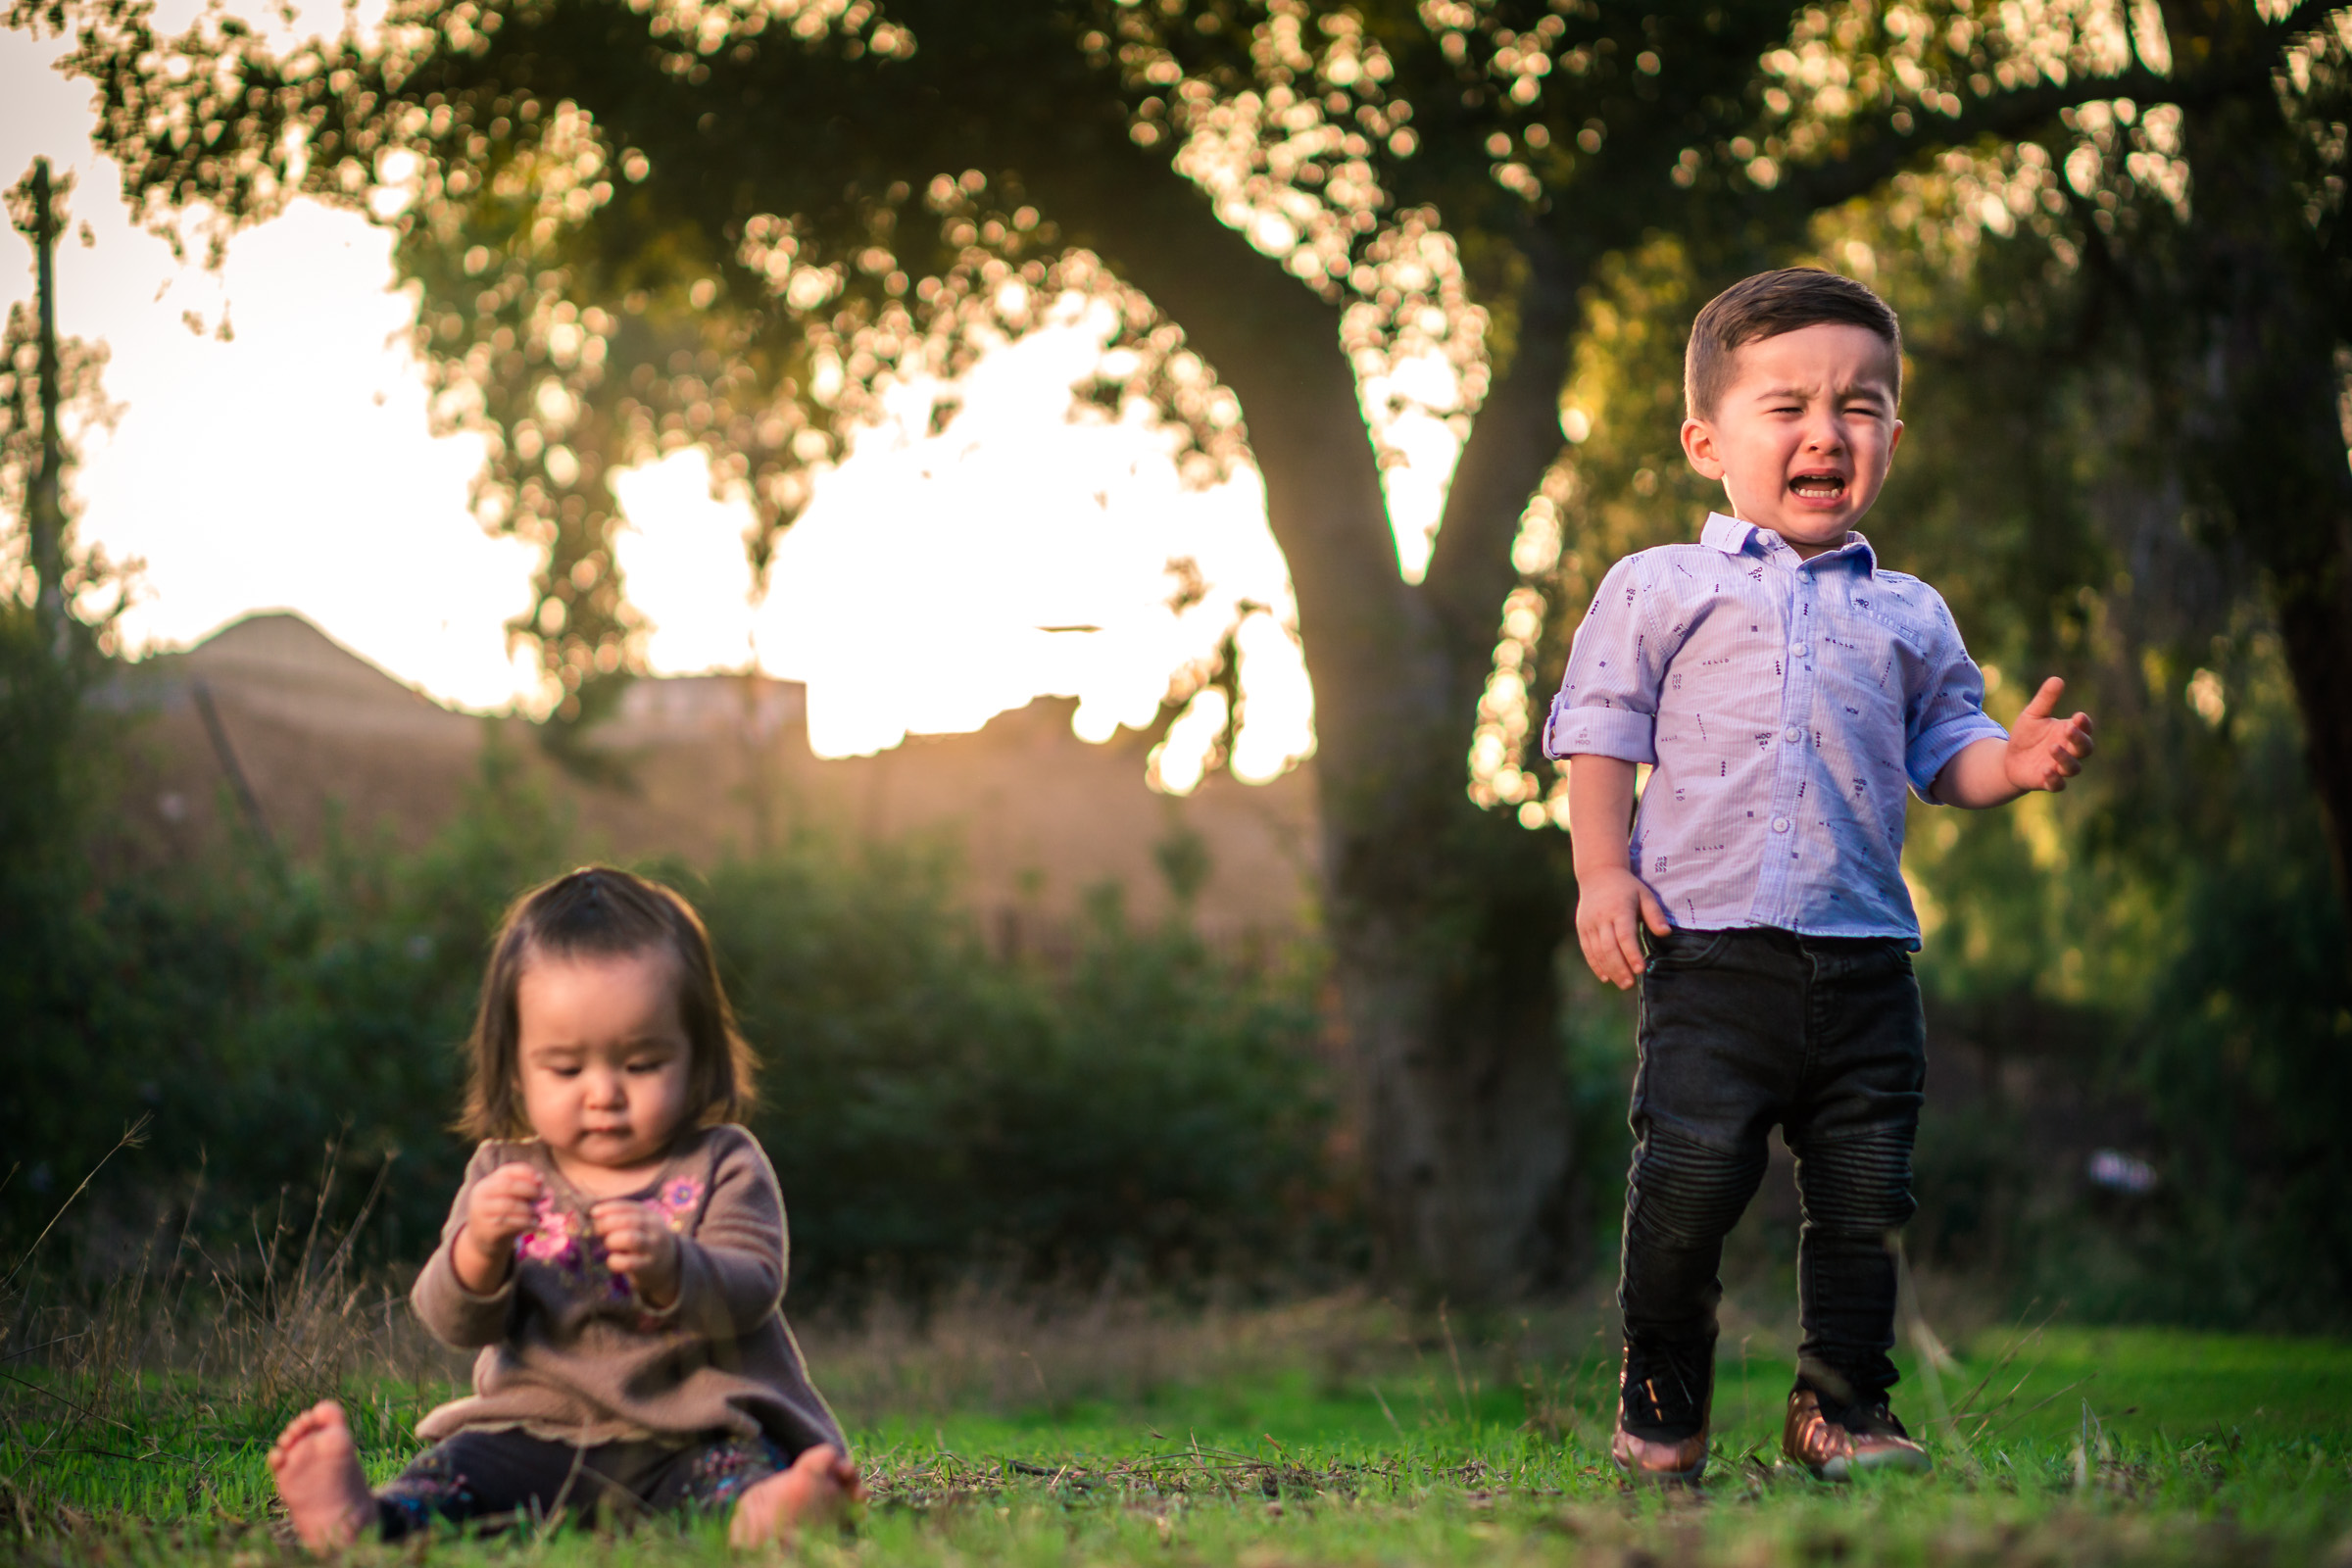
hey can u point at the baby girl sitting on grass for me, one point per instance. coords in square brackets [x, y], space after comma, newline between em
[617, 1253]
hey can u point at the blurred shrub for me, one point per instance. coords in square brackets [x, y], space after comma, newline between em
[2243, 1047]
[262, 1014]
[1145, 1105]
[1151, 1105]
[2178, 992]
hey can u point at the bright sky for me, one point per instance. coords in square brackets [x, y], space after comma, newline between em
[291, 466]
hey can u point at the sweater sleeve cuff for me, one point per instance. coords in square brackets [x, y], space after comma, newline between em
[694, 1282]
[455, 1314]
[1588, 731]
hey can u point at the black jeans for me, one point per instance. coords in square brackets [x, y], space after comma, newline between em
[1741, 1031]
[495, 1479]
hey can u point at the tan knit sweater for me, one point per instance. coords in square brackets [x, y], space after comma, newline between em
[569, 1352]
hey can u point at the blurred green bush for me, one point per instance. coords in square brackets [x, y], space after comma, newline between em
[2153, 962]
[1146, 1106]
[1142, 1105]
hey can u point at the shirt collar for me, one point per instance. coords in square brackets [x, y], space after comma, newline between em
[1726, 534]
[1733, 537]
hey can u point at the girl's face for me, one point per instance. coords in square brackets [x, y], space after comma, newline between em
[603, 1056]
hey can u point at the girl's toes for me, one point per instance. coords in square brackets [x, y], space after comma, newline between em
[318, 1476]
[812, 1491]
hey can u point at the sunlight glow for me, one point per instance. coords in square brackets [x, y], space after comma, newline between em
[273, 449]
[275, 452]
[683, 565]
[937, 580]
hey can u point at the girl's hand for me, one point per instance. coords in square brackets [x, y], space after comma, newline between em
[639, 1243]
[504, 1206]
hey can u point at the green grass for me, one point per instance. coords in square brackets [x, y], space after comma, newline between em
[2070, 1446]
[2140, 1385]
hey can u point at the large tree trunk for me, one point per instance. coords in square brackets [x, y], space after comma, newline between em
[1446, 921]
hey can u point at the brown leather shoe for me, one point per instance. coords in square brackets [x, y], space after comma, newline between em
[1663, 1463]
[1649, 1458]
[1864, 1438]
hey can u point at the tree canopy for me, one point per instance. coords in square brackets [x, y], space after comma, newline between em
[637, 227]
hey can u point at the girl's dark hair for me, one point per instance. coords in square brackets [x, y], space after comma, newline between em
[1766, 306]
[597, 910]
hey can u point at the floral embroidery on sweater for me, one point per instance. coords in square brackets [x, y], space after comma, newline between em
[677, 1200]
[564, 1241]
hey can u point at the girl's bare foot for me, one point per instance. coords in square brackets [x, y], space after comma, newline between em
[319, 1474]
[816, 1489]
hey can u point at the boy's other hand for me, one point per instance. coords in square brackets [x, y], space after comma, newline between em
[2045, 751]
[504, 1205]
[1612, 906]
[639, 1243]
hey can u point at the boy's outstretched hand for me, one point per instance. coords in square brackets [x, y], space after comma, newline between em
[2042, 751]
[2045, 750]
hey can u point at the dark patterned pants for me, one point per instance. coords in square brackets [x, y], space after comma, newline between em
[495, 1480]
[1741, 1031]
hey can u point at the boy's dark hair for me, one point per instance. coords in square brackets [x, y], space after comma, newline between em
[1766, 306]
[599, 912]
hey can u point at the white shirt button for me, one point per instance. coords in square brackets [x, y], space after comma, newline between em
[1780, 824]
[1793, 734]
[1801, 650]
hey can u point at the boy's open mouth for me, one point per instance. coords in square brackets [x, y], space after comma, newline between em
[1818, 486]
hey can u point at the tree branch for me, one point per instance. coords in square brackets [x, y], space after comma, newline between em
[1370, 638]
[2007, 116]
[1515, 438]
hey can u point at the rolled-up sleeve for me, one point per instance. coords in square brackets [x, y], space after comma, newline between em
[1608, 699]
[1947, 714]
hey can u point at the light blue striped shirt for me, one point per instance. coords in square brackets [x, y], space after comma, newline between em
[1783, 705]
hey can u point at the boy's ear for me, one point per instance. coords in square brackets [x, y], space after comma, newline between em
[1699, 446]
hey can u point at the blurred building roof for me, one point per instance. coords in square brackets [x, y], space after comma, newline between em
[700, 766]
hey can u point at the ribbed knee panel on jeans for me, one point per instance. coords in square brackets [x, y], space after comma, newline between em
[1856, 1194]
[1682, 1194]
[1858, 1186]
[1682, 1199]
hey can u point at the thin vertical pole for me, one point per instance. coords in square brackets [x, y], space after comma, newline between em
[248, 803]
[48, 511]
